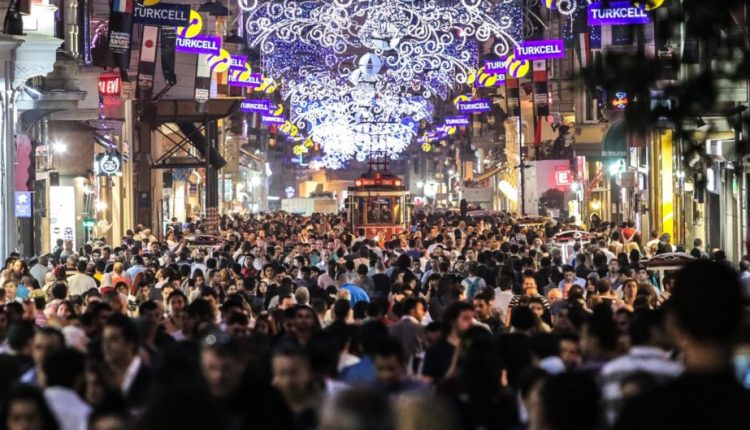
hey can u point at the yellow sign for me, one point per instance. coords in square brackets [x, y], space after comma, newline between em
[651, 4]
[279, 110]
[517, 68]
[151, 2]
[220, 63]
[426, 147]
[195, 27]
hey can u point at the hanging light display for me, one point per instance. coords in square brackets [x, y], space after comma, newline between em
[359, 75]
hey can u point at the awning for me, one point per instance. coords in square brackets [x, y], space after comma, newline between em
[615, 140]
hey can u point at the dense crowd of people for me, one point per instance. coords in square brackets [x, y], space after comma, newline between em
[293, 322]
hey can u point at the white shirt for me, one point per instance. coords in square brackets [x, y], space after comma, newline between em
[502, 300]
[130, 374]
[79, 283]
[71, 412]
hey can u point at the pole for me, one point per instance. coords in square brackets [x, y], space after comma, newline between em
[521, 165]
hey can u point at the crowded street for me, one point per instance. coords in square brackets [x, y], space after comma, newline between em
[374, 215]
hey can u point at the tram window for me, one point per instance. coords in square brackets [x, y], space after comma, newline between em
[359, 211]
[380, 210]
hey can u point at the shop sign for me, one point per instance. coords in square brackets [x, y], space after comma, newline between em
[199, 45]
[107, 164]
[110, 84]
[457, 121]
[255, 106]
[474, 106]
[618, 13]
[23, 204]
[563, 178]
[162, 14]
[237, 62]
[540, 49]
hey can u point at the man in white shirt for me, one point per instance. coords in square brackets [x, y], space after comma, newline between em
[81, 282]
[503, 295]
[64, 373]
[40, 269]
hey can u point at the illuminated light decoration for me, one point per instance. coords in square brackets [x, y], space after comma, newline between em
[194, 28]
[540, 49]
[620, 100]
[517, 68]
[617, 13]
[110, 84]
[299, 150]
[426, 147]
[199, 45]
[568, 7]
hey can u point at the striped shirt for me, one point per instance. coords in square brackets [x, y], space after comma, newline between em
[517, 300]
[649, 360]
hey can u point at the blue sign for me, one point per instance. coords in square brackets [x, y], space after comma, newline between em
[253, 106]
[272, 119]
[23, 204]
[162, 14]
[540, 49]
[457, 121]
[199, 44]
[618, 13]
[474, 106]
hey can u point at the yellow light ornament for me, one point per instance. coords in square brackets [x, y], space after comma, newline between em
[426, 147]
[195, 27]
[517, 68]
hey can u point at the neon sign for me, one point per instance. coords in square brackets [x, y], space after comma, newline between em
[618, 13]
[540, 49]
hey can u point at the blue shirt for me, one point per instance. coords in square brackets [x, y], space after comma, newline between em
[360, 373]
[22, 292]
[358, 294]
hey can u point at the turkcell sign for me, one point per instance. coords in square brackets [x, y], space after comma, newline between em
[474, 106]
[457, 121]
[237, 62]
[618, 13]
[540, 49]
[495, 67]
[255, 106]
[272, 119]
[162, 14]
[199, 44]
[253, 80]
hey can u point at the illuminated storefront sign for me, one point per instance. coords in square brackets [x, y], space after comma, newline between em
[618, 13]
[237, 62]
[272, 119]
[474, 106]
[495, 66]
[255, 106]
[243, 79]
[457, 121]
[199, 44]
[163, 14]
[109, 84]
[540, 49]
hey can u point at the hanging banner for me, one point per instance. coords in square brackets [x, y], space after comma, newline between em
[474, 106]
[238, 62]
[202, 79]
[108, 164]
[540, 49]
[244, 79]
[168, 40]
[272, 120]
[147, 63]
[62, 212]
[120, 28]
[618, 13]
[199, 44]
[255, 106]
[23, 204]
[495, 66]
[457, 121]
[162, 14]
[513, 97]
[541, 91]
